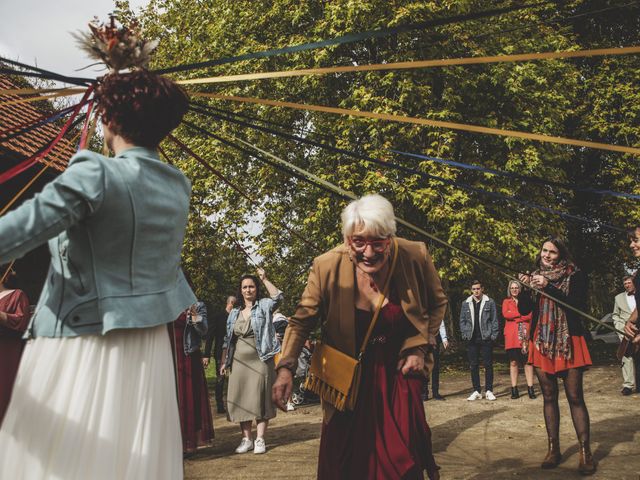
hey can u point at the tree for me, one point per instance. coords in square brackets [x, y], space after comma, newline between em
[593, 99]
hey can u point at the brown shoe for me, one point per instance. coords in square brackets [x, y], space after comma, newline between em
[552, 460]
[587, 465]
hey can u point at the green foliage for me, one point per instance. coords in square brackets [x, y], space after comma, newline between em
[593, 99]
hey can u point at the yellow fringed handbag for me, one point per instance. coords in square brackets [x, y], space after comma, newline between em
[335, 376]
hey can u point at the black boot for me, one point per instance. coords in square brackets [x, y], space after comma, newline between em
[531, 392]
[514, 393]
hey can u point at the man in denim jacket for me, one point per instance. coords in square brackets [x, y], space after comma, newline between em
[479, 327]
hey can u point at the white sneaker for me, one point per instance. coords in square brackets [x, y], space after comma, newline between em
[290, 407]
[489, 395]
[246, 445]
[260, 446]
[474, 396]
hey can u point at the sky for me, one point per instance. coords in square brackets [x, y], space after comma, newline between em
[36, 32]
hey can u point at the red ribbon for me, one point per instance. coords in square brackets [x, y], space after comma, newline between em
[29, 162]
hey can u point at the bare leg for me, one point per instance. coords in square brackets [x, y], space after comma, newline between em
[246, 429]
[528, 373]
[261, 428]
[513, 372]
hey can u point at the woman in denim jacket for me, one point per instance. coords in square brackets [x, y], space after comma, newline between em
[249, 347]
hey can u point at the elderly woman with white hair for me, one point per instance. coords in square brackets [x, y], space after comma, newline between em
[374, 278]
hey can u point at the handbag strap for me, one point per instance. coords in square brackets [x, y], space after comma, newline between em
[381, 299]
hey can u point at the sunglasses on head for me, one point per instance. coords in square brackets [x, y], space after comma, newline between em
[359, 244]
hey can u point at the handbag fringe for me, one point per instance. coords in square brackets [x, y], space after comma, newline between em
[326, 392]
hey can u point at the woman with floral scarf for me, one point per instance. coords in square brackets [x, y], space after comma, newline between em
[557, 345]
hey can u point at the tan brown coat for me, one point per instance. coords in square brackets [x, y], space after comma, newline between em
[330, 297]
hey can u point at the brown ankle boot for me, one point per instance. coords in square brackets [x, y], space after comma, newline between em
[552, 460]
[587, 465]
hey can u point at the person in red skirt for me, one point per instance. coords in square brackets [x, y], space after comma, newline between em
[386, 436]
[557, 347]
[516, 340]
[186, 335]
[14, 318]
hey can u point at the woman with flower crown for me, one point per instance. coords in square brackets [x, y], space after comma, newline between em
[94, 396]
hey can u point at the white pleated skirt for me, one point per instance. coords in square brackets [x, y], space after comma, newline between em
[94, 407]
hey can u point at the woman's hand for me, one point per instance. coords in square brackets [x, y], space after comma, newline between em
[261, 273]
[524, 278]
[223, 370]
[205, 362]
[539, 281]
[413, 363]
[282, 388]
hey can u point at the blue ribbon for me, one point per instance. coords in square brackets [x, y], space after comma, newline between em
[413, 171]
[351, 37]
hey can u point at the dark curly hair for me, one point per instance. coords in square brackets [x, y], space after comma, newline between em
[140, 106]
[239, 298]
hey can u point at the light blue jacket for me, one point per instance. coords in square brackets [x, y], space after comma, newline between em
[267, 344]
[115, 228]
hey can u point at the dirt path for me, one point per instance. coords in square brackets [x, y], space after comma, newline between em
[472, 440]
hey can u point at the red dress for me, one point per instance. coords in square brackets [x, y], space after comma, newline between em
[386, 436]
[193, 395]
[512, 323]
[16, 305]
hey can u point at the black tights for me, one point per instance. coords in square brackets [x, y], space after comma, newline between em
[572, 379]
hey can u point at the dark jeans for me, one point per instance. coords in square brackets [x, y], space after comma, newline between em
[474, 349]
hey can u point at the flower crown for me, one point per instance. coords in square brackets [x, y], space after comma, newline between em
[119, 47]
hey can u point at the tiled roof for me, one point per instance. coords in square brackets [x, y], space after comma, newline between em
[34, 140]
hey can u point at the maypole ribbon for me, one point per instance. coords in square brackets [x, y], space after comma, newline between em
[242, 193]
[21, 129]
[417, 64]
[424, 121]
[66, 92]
[21, 167]
[349, 195]
[228, 114]
[353, 37]
[424, 175]
[48, 163]
[7, 272]
[517, 176]
[85, 129]
[45, 73]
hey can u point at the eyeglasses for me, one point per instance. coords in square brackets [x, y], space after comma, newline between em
[360, 244]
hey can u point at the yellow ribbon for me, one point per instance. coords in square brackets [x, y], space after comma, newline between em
[62, 93]
[447, 62]
[31, 91]
[424, 121]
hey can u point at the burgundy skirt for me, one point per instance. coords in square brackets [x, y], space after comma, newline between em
[193, 396]
[386, 436]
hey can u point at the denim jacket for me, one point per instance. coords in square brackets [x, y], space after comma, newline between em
[115, 228]
[267, 344]
[194, 332]
[488, 319]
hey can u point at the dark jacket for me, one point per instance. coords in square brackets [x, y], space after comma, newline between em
[577, 297]
[215, 336]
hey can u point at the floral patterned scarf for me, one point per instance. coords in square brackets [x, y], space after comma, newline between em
[553, 337]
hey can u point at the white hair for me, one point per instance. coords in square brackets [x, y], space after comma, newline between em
[372, 215]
